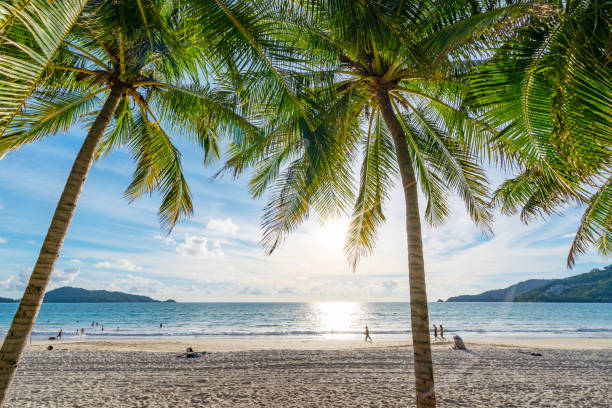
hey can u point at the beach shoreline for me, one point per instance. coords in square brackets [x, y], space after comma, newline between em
[243, 343]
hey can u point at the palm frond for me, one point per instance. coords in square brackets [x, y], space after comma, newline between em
[158, 168]
[378, 170]
[48, 115]
[595, 226]
[30, 33]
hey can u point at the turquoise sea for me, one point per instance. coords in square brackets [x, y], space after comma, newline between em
[333, 319]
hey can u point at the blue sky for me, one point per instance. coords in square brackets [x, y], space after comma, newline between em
[216, 256]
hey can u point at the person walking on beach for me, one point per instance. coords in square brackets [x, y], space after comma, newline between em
[82, 332]
[102, 328]
[435, 332]
[442, 333]
[367, 335]
[59, 335]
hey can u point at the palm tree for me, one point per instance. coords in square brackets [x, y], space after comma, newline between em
[549, 88]
[134, 68]
[387, 89]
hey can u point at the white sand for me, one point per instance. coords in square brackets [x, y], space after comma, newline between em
[296, 374]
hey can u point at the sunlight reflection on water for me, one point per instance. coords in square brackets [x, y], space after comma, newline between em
[335, 319]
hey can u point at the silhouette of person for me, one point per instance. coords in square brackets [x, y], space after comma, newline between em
[435, 332]
[442, 333]
[367, 334]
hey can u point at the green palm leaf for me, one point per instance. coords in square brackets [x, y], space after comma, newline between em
[595, 226]
[31, 31]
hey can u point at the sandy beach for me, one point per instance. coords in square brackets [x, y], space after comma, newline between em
[311, 373]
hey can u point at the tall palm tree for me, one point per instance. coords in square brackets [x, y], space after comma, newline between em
[387, 88]
[130, 71]
[549, 88]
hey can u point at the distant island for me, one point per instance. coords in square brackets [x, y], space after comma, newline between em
[69, 294]
[7, 300]
[502, 295]
[594, 286]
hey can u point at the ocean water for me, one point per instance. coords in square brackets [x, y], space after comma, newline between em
[342, 320]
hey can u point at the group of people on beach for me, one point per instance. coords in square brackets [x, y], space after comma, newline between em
[82, 331]
[435, 330]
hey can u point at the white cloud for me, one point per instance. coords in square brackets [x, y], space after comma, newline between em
[63, 278]
[135, 285]
[3, 240]
[18, 283]
[571, 235]
[122, 264]
[287, 291]
[248, 290]
[197, 246]
[166, 240]
[226, 226]
[389, 285]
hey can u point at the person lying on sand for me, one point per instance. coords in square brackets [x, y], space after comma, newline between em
[189, 353]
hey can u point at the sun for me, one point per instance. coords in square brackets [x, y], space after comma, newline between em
[332, 234]
[336, 317]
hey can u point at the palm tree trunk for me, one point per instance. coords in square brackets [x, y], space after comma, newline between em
[423, 366]
[21, 327]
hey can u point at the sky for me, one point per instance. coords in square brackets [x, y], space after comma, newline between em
[216, 255]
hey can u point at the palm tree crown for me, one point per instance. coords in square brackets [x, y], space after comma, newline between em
[150, 51]
[387, 91]
[142, 60]
[549, 90]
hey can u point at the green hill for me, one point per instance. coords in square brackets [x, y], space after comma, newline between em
[7, 300]
[502, 295]
[77, 295]
[594, 286]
